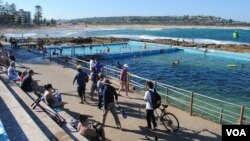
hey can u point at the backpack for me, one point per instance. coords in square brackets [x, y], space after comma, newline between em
[156, 99]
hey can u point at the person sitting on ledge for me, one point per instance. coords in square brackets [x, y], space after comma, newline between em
[26, 84]
[12, 72]
[50, 99]
[92, 132]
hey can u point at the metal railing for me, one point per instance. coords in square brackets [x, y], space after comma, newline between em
[197, 104]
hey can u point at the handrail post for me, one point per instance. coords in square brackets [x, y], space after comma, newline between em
[221, 113]
[167, 91]
[191, 103]
[155, 84]
[50, 55]
[241, 114]
[66, 61]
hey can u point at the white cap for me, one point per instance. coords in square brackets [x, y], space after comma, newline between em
[125, 66]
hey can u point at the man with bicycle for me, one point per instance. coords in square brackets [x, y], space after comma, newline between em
[149, 108]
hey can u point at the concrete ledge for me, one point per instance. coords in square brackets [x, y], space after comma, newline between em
[18, 124]
[43, 121]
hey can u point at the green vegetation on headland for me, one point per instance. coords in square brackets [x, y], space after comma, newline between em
[161, 20]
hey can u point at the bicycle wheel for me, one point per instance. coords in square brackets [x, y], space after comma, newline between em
[170, 122]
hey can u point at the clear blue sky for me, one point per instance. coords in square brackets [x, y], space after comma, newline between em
[70, 9]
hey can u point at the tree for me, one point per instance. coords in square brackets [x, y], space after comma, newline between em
[53, 22]
[38, 15]
[45, 21]
[12, 8]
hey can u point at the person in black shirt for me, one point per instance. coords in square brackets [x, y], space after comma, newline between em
[26, 84]
[109, 97]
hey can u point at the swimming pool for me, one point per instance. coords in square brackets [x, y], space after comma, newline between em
[131, 46]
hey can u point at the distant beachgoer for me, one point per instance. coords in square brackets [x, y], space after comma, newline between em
[108, 49]
[90, 46]
[242, 66]
[176, 62]
[123, 79]
[81, 78]
[44, 52]
[61, 50]
[118, 65]
[205, 51]
[145, 46]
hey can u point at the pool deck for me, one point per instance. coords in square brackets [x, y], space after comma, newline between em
[191, 127]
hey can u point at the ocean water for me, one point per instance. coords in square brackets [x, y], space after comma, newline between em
[198, 35]
[205, 74]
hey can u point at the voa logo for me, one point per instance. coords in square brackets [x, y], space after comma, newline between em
[236, 132]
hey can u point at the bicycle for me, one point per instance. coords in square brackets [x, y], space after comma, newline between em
[55, 116]
[169, 120]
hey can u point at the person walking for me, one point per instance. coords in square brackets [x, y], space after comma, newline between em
[110, 99]
[149, 108]
[81, 77]
[123, 79]
[94, 79]
[92, 63]
[100, 88]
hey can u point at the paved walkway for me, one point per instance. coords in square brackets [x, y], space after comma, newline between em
[192, 127]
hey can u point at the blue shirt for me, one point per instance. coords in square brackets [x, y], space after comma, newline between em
[81, 78]
[98, 67]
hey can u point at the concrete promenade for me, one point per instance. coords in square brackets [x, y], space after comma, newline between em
[191, 127]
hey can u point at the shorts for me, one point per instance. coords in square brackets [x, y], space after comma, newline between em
[93, 87]
[81, 91]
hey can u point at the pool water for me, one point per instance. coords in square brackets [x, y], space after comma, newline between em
[113, 48]
[198, 72]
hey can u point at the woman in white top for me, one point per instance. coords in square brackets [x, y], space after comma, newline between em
[12, 72]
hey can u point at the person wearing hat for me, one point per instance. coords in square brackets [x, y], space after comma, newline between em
[123, 79]
[81, 77]
[109, 98]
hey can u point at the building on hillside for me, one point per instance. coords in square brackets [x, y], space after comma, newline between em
[22, 17]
